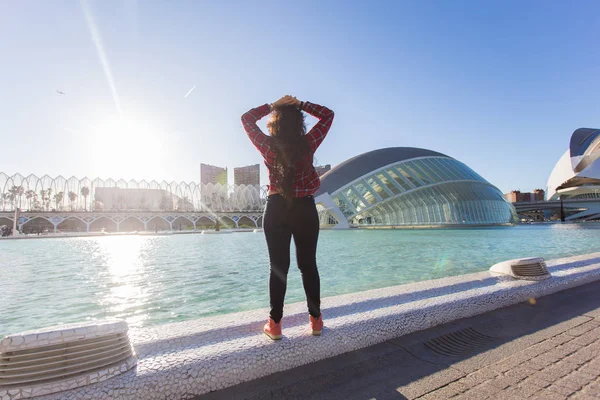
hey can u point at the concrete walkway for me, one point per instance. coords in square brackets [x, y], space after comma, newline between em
[546, 349]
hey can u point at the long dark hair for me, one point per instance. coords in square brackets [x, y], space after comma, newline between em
[293, 152]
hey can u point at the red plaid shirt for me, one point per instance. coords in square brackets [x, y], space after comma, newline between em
[307, 182]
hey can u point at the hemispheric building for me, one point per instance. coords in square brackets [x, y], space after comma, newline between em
[406, 186]
[576, 175]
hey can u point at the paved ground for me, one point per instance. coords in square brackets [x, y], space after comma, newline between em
[548, 350]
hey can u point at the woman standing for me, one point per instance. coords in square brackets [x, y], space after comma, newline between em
[290, 212]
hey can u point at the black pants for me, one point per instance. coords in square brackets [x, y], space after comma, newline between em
[282, 222]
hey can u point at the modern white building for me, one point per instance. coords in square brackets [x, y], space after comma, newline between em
[32, 193]
[405, 186]
[576, 175]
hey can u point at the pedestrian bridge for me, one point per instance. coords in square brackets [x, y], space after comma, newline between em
[573, 209]
[126, 221]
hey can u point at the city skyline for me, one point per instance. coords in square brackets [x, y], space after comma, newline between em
[87, 94]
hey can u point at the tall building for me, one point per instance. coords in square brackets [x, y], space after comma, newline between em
[322, 169]
[212, 174]
[516, 196]
[249, 175]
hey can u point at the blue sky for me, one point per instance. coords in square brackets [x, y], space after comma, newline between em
[499, 85]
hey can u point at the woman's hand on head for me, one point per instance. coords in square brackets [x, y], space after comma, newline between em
[286, 101]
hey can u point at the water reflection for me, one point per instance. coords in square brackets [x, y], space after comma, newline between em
[150, 280]
[126, 290]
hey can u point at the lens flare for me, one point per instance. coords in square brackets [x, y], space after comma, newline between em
[97, 39]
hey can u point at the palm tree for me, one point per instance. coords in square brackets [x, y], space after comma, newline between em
[14, 193]
[10, 197]
[18, 191]
[37, 206]
[43, 194]
[58, 198]
[72, 198]
[30, 194]
[48, 198]
[85, 192]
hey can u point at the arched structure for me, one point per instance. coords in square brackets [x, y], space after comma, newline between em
[405, 186]
[577, 172]
[59, 194]
[128, 221]
[576, 177]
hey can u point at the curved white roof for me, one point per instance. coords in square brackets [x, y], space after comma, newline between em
[579, 166]
[362, 164]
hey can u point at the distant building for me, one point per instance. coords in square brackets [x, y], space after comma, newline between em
[322, 169]
[212, 174]
[114, 198]
[249, 175]
[516, 196]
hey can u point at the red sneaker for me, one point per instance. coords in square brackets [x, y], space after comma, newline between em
[316, 324]
[272, 329]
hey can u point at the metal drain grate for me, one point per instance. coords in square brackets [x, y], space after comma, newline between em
[533, 269]
[459, 343]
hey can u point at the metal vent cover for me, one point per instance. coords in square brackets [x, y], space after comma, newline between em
[533, 269]
[459, 343]
[45, 360]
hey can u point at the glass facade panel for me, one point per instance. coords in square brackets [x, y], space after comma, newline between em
[405, 172]
[388, 183]
[401, 182]
[344, 206]
[468, 172]
[449, 169]
[425, 167]
[418, 175]
[452, 203]
[365, 193]
[440, 169]
[459, 169]
[417, 172]
[354, 199]
[376, 187]
[325, 217]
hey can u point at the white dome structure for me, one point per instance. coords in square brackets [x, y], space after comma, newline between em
[576, 175]
[406, 186]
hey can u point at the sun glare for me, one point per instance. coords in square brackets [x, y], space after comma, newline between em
[126, 148]
[123, 259]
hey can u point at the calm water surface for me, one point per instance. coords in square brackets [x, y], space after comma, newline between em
[150, 280]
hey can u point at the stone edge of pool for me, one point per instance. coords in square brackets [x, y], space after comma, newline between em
[185, 359]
